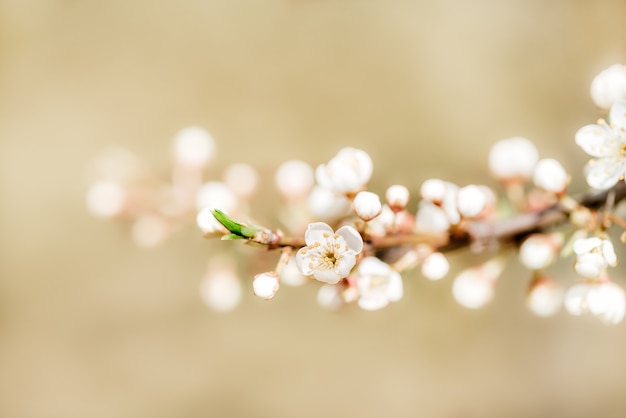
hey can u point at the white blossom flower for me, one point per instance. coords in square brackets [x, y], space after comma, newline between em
[605, 300]
[593, 255]
[397, 197]
[550, 175]
[545, 297]
[367, 205]
[347, 172]
[329, 256]
[539, 251]
[266, 285]
[609, 86]
[607, 145]
[377, 284]
[435, 266]
[513, 159]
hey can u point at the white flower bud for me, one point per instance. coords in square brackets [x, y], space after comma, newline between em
[513, 159]
[434, 190]
[545, 297]
[397, 197]
[294, 179]
[431, 218]
[471, 201]
[106, 199]
[326, 205]
[216, 195]
[367, 205]
[539, 251]
[265, 285]
[550, 175]
[609, 86]
[242, 179]
[435, 266]
[193, 146]
[208, 224]
[220, 289]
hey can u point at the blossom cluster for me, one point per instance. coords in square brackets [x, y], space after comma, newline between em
[358, 244]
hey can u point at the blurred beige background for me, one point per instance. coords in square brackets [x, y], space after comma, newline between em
[92, 326]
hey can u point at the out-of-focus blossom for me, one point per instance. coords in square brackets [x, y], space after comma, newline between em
[193, 146]
[377, 284]
[474, 287]
[550, 176]
[220, 289]
[513, 159]
[545, 297]
[609, 86]
[327, 205]
[208, 224]
[216, 195]
[397, 197]
[242, 179]
[593, 255]
[329, 256]
[294, 179]
[471, 201]
[539, 251]
[106, 199]
[291, 275]
[435, 266]
[605, 300]
[347, 172]
[329, 296]
[266, 285]
[367, 205]
[606, 143]
[150, 230]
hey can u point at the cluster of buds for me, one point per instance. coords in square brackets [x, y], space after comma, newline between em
[358, 244]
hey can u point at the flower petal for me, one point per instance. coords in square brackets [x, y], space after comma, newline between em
[617, 116]
[352, 237]
[373, 303]
[597, 140]
[344, 265]
[575, 299]
[372, 266]
[315, 233]
[326, 276]
[604, 173]
[303, 261]
[394, 288]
